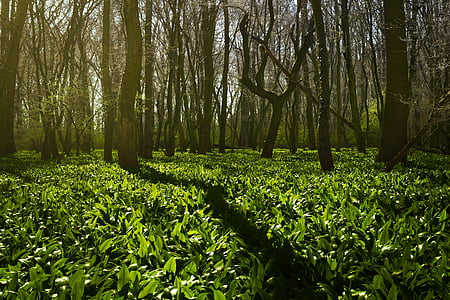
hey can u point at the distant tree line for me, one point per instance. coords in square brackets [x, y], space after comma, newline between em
[183, 75]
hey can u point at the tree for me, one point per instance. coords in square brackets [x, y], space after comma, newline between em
[277, 101]
[226, 60]
[351, 78]
[395, 116]
[107, 84]
[10, 44]
[324, 149]
[127, 147]
[208, 25]
[147, 151]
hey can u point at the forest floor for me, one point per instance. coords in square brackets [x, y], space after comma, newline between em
[232, 226]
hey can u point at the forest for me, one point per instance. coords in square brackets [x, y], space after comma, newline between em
[224, 149]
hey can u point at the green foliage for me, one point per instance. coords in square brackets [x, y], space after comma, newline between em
[231, 226]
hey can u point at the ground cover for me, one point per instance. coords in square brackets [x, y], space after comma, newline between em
[231, 226]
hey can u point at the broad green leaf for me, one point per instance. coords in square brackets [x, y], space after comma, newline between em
[171, 265]
[218, 295]
[392, 293]
[378, 282]
[123, 277]
[76, 282]
[105, 245]
[150, 288]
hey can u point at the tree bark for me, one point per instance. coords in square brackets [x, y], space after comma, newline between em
[127, 147]
[8, 72]
[224, 103]
[395, 117]
[208, 24]
[359, 136]
[276, 101]
[149, 113]
[338, 84]
[324, 149]
[107, 84]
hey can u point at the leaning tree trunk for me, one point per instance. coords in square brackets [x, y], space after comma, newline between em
[275, 120]
[395, 117]
[324, 149]
[127, 147]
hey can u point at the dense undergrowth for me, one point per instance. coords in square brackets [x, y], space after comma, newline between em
[231, 226]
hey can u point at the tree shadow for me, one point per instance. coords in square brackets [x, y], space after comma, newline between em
[18, 163]
[288, 276]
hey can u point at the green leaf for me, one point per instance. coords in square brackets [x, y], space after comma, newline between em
[392, 293]
[105, 245]
[123, 277]
[171, 265]
[150, 288]
[76, 282]
[443, 215]
[378, 282]
[218, 295]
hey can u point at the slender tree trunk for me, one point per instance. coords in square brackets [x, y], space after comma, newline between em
[160, 114]
[324, 149]
[208, 24]
[244, 134]
[395, 117]
[107, 84]
[8, 72]
[170, 127]
[275, 120]
[295, 118]
[226, 59]
[338, 84]
[127, 148]
[172, 83]
[149, 114]
[190, 103]
[359, 136]
[179, 82]
[376, 79]
[310, 123]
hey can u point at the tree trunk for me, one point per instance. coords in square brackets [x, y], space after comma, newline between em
[324, 149]
[208, 24]
[395, 117]
[376, 80]
[169, 125]
[338, 84]
[275, 120]
[295, 118]
[277, 101]
[359, 136]
[244, 134]
[107, 85]
[149, 114]
[127, 148]
[226, 59]
[8, 72]
[311, 128]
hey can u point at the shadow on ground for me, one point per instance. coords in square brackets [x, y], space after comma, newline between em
[290, 276]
